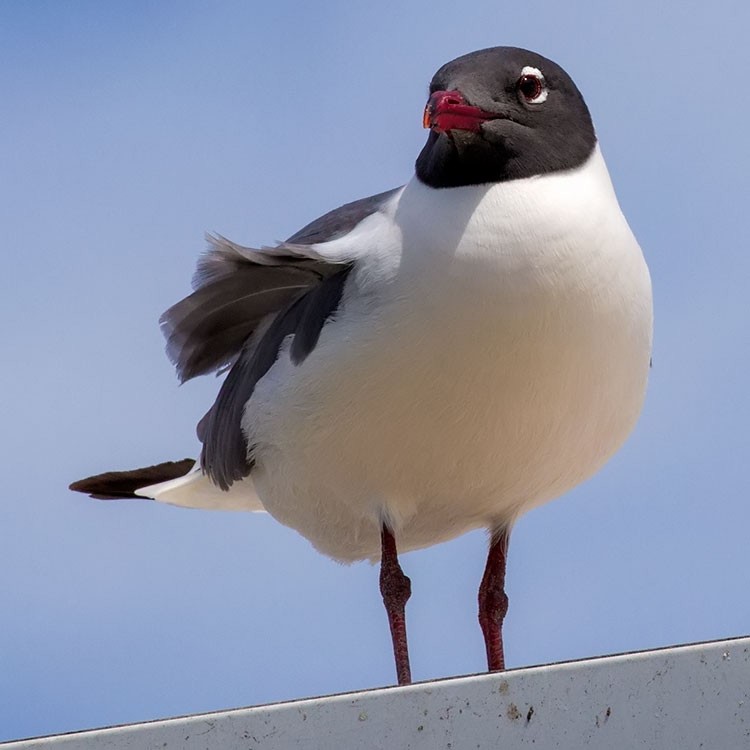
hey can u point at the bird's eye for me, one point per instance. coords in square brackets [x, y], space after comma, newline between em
[531, 86]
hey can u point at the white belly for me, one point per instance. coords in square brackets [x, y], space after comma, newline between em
[460, 396]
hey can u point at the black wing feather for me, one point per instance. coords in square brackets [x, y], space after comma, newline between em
[114, 485]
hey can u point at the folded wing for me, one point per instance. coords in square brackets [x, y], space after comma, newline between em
[245, 302]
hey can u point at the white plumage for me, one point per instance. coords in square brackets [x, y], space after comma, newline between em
[491, 352]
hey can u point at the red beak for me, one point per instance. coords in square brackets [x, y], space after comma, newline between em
[448, 110]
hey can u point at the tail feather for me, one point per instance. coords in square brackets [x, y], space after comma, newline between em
[179, 483]
[116, 485]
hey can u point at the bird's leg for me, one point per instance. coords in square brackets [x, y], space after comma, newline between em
[396, 590]
[493, 601]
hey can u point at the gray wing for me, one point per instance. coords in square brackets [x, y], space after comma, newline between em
[206, 331]
[341, 220]
[246, 302]
[237, 287]
[225, 450]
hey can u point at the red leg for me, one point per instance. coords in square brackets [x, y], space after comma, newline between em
[396, 590]
[493, 601]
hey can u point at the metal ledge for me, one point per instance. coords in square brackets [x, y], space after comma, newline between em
[695, 696]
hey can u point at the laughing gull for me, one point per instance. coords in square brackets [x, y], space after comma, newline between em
[437, 358]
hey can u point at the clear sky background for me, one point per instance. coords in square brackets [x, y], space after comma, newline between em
[127, 131]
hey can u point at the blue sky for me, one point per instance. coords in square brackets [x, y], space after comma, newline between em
[128, 130]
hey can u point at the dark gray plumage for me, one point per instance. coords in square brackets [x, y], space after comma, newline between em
[225, 451]
[237, 287]
[206, 330]
[341, 220]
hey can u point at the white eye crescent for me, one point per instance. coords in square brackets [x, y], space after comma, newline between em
[531, 86]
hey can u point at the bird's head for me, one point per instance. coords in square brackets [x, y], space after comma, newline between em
[502, 114]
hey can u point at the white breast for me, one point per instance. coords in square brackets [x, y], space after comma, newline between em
[495, 362]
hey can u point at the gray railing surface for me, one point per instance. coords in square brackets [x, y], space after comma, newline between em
[695, 696]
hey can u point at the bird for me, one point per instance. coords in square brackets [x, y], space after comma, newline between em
[434, 359]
